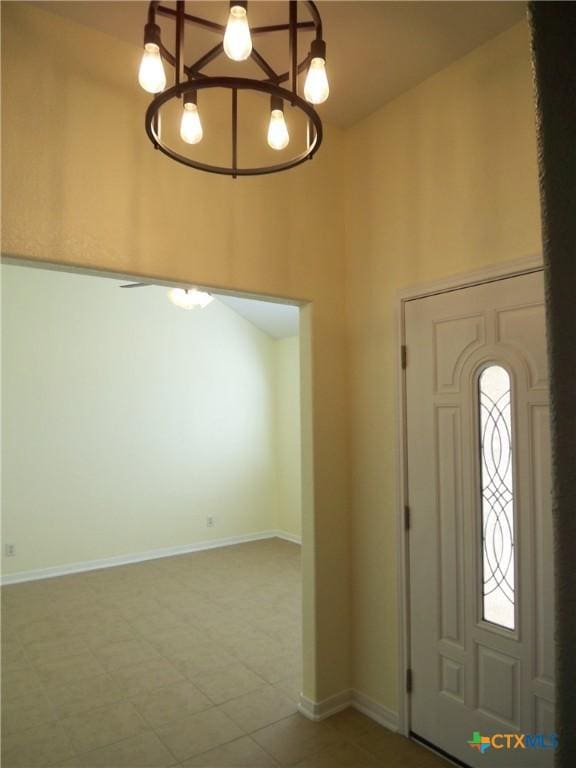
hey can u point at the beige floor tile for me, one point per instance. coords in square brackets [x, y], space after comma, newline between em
[342, 756]
[259, 708]
[45, 651]
[147, 676]
[256, 643]
[228, 683]
[199, 733]
[239, 635]
[291, 686]
[17, 681]
[42, 629]
[178, 643]
[398, 751]
[40, 746]
[415, 756]
[165, 623]
[352, 724]
[103, 726]
[13, 655]
[295, 739]
[111, 632]
[10, 632]
[208, 657]
[173, 702]
[242, 753]
[131, 605]
[27, 711]
[275, 668]
[125, 653]
[69, 669]
[84, 695]
[150, 623]
[381, 742]
[83, 620]
[142, 751]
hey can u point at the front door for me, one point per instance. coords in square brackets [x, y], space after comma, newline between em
[480, 538]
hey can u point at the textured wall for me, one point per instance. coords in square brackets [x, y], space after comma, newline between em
[288, 436]
[83, 186]
[135, 419]
[442, 180]
[553, 30]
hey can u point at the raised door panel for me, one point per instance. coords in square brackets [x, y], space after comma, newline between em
[453, 339]
[522, 328]
[448, 505]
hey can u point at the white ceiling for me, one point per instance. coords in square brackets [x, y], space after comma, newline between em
[376, 50]
[280, 321]
[277, 320]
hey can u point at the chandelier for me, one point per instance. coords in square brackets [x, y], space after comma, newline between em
[190, 86]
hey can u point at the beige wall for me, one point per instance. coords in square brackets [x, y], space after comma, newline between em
[127, 422]
[443, 180]
[83, 186]
[288, 436]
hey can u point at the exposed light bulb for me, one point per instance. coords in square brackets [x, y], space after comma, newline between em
[316, 88]
[190, 125]
[189, 298]
[278, 136]
[151, 75]
[237, 38]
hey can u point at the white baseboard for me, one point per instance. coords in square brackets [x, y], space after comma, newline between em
[153, 554]
[375, 711]
[320, 710]
[288, 536]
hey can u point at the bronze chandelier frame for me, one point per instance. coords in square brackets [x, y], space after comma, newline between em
[189, 79]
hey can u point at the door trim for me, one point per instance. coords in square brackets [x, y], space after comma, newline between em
[490, 274]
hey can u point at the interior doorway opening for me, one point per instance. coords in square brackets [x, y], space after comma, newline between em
[165, 443]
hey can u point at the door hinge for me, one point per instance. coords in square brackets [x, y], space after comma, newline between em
[403, 355]
[409, 680]
[407, 518]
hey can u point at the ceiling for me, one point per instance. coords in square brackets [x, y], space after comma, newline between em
[376, 50]
[277, 320]
[280, 321]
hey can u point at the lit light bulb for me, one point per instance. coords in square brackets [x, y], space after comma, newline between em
[151, 75]
[316, 88]
[189, 298]
[190, 126]
[278, 136]
[237, 39]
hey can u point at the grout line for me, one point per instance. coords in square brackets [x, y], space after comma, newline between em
[44, 689]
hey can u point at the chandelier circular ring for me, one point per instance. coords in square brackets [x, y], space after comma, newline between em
[233, 84]
[189, 80]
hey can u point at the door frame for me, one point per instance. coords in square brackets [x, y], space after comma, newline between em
[490, 274]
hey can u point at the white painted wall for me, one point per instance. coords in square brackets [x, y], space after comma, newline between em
[127, 421]
[288, 435]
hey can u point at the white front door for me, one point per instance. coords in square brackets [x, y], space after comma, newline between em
[480, 538]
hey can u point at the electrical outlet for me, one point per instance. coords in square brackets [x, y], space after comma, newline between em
[210, 521]
[10, 550]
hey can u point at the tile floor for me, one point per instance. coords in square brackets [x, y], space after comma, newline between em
[190, 661]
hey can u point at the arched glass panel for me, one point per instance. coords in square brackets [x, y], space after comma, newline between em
[497, 497]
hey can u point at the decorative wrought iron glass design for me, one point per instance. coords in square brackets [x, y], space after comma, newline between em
[498, 594]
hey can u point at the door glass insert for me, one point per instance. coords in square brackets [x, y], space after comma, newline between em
[497, 497]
